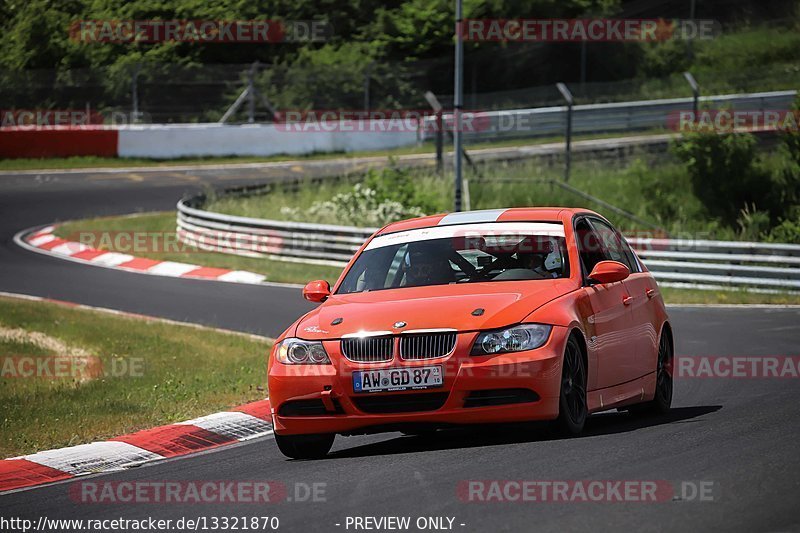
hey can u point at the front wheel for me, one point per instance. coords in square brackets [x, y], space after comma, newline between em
[305, 446]
[572, 409]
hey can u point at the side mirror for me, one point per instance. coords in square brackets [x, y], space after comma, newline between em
[609, 272]
[317, 291]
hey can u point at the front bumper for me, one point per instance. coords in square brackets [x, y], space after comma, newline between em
[331, 386]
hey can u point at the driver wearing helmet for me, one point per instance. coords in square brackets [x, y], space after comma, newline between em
[424, 267]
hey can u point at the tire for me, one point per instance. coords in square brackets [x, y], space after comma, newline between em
[572, 409]
[661, 403]
[305, 446]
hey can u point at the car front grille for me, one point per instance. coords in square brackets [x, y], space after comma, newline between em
[427, 345]
[368, 349]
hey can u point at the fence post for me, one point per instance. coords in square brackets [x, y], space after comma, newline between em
[367, 77]
[562, 88]
[439, 142]
[251, 93]
[437, 108]
[135, 91]
[457, 97]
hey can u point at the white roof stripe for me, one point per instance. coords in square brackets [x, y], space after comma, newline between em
[470, 217]
[555, 229]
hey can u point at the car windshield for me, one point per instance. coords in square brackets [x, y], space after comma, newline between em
[460, 254]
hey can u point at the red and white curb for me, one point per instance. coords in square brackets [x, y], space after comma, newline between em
[44, 241]
[243, 423]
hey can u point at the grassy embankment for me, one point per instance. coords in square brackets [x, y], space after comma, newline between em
[152, 373]
[655, 191]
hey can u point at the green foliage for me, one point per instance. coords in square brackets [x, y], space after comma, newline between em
[725, 173]
[788, 230]
[664, 58]
[665, 193]
[753, 224]
[360, 206]
[791, 139]
[396, 184]
[405, 46]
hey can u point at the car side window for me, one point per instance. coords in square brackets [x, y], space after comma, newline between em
[615, 245]
[590, 245]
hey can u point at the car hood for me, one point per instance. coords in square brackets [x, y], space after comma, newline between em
[445, 306]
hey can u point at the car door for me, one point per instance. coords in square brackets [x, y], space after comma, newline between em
[641, 289]
[611, 321]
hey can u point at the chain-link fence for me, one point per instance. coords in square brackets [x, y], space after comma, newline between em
[173, 94]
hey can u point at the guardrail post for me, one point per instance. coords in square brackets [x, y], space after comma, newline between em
[565, 92]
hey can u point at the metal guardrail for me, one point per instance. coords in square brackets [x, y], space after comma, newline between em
[254, 237]
[605, 118]
[695, 263]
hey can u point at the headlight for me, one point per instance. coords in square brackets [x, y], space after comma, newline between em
[514, 339]
[299, 352]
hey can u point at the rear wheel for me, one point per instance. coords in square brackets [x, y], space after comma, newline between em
[572, 410]
[305, 446]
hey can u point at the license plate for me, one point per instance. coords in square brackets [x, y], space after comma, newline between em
[397, 379]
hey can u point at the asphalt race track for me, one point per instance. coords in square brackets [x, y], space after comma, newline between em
[739, 435]
[27, 201]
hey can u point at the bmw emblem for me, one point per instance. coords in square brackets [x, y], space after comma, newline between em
[400, 324]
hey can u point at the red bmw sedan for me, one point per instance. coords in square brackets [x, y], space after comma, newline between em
[493, 316]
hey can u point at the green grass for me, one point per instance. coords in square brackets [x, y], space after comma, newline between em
[655, 190]
[160, 224]
[181, 372]
[423, 148]
[693, 296]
